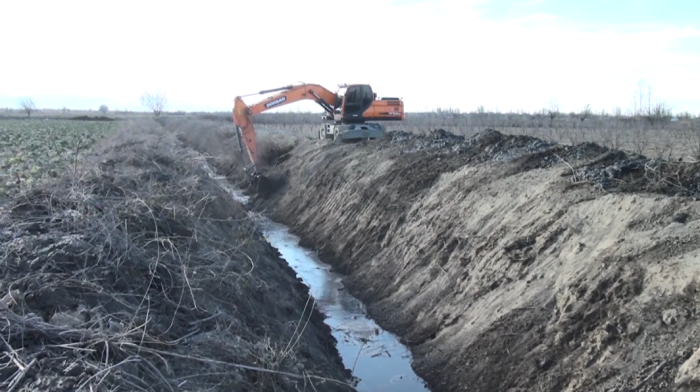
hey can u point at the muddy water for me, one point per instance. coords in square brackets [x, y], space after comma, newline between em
[378, 360]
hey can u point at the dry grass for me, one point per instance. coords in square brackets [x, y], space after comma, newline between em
[143, 274]
[216, 139]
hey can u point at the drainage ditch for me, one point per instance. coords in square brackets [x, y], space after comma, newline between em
[377, 358]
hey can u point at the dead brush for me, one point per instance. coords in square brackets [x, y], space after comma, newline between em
[142, 275]
[617, 171]
[672, 178]
[215, 139]
[218, 143]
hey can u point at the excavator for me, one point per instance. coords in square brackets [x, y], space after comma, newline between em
[349, 114]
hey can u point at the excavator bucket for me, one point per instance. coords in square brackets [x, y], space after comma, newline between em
[267, 185]
[253, 175]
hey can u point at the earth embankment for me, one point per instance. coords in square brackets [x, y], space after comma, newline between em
[136, 271]
[507, 263]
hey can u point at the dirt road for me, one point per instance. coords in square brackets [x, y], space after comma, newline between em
[508, 264]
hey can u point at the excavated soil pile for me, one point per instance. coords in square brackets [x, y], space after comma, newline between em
[143, 274]
[507, 263]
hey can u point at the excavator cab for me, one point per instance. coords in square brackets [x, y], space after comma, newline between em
[358, 98]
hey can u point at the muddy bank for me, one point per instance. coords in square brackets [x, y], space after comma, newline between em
[144, 274]
[509, 264]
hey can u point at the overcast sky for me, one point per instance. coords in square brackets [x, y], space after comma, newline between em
[502, 54]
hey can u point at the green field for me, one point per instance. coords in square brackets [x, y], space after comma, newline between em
[33, 151]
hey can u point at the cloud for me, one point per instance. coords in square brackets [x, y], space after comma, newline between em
[432, 53]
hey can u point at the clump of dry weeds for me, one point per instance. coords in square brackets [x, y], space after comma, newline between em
[143, 275]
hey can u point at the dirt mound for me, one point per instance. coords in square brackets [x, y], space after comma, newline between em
[487, 145]
[143, 274]
[516, 264]
[611, 170]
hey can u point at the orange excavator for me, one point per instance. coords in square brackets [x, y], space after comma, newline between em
[349, 113]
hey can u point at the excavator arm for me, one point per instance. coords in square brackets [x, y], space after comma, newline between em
[243, 114]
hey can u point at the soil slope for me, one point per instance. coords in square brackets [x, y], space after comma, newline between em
[506, 263]
[143, 274]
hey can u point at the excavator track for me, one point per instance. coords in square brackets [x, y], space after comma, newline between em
[351, 132]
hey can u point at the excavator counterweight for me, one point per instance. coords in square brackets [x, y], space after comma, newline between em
[349, 116]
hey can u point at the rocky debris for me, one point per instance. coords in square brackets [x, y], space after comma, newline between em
[670, 316]
[399, 136]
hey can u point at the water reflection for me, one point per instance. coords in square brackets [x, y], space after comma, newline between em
[383, 363]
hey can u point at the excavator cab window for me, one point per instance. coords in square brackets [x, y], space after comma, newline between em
[358, 99]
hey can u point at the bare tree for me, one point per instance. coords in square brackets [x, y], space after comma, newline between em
[27, 104]
[552, 109]
[104, 108]
[154, 101]
[639, 98]
[659, 112]
[585, 113]
[646, 105]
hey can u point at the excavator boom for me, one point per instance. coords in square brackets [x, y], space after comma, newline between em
[243, 114]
